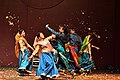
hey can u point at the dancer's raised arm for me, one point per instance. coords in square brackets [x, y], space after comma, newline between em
[51, 30]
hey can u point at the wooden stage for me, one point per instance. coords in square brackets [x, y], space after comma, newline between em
[10, 73]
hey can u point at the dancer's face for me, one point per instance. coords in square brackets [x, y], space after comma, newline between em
[72, 31]
[61, 29]
[23, 33]
[42, 35]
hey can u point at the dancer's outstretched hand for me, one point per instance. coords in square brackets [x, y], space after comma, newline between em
[47, 25]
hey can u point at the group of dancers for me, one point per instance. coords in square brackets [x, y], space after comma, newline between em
[62, 51]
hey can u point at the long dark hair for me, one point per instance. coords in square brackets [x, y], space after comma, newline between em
[65, 30]
[20, 31]
[38, 35]
[72, 28]
[64, 27]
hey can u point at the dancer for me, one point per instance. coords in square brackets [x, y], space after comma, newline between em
[61, 38]
[75, 43]
[85, 59]
[55, 45]
[22, 53]
[46, 67]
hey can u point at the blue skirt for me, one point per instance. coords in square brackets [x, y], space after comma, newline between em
[47, 65]
[85, 61]
[24, 63]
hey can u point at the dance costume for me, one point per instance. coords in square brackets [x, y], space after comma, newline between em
[61, 38]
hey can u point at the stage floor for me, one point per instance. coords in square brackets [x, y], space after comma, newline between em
[7, 73]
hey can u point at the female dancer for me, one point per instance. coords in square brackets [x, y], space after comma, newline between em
[22, 53]
[75, 43]
[46, 67]
[61, 38]
[85, 59]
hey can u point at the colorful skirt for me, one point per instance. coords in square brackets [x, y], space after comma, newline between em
[85, 61]
[73, 58]
[24, 63]
[47, 66]
[63, 61]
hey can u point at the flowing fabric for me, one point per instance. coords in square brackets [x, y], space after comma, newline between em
[74, 55]
[84, 58]
[62, 59]
[24, 63]
[47, 65]
[85, 61]
[85, 43]
[16, 51]
[61, 39]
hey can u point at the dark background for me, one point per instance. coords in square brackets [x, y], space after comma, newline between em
[99, 16]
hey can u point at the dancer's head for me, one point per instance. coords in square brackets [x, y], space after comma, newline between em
[40, 35]
[63, 29]
[22, 32]
[72, 30]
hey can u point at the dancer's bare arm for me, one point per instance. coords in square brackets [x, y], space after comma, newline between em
[35, 51]
[95, 47]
